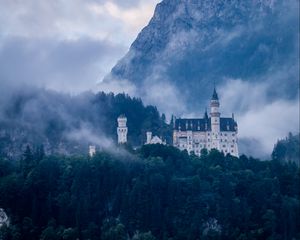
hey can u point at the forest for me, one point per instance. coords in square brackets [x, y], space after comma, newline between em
[155, 192]
[288, 149]
[66, 124]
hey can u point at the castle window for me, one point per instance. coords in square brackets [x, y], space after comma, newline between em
[233, 140]
[233, 134]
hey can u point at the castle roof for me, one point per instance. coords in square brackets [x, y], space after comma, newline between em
[205, 114]
[215, 95]
[203, 125]
[122, 116]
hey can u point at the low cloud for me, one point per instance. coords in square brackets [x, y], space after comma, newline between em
[259, 118]
[69, 66]
[86, 134]
[163, 94]
[118, 86]
[269, 123]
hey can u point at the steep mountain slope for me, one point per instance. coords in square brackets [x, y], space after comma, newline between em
[190, 44]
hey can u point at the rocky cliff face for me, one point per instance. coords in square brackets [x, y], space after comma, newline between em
[190, 44]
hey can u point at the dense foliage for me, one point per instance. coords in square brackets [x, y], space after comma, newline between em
[288, 150]
[157, 192]
[67, 124]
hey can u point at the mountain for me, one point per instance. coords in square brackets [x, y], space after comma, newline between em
[191, 44]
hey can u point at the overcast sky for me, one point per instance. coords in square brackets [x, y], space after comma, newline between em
[66, 45]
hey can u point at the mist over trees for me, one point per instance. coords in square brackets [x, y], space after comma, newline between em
[288, 150]
[50, 188]
[156, 192]
[66, 124]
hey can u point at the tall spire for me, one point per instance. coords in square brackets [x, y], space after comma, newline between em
[205, 114]
[214, 112]
[215, 95]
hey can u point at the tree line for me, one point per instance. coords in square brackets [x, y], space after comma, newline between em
[156, 192]
[39, 116]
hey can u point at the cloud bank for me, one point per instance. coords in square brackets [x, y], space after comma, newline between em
[66, 45]
[259, 117]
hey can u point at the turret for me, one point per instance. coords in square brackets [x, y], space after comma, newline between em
[122, 129]
[92, 150]
[214, 112]
[205, 117]
[149, 137]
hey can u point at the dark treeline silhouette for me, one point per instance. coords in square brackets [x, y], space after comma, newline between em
[288, 149]
[156, 192]
[64, 123]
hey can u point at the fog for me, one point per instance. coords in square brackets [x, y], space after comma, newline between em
[70, 46]
[260, 84]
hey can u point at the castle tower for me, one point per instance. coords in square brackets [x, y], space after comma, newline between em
[92, 150]
[215, 120]
[122, 129]
[214, 112]
[149, 137]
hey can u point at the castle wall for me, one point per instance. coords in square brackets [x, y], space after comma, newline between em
[222, 134]
[122, 130]
[195, 141]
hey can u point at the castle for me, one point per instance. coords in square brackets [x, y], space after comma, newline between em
[122, 129]
[154, 139]
[195, 134]
[212, 132]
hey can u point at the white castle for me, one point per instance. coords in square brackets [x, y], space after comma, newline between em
[122, 129]
[195, 134]
[208, 133]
